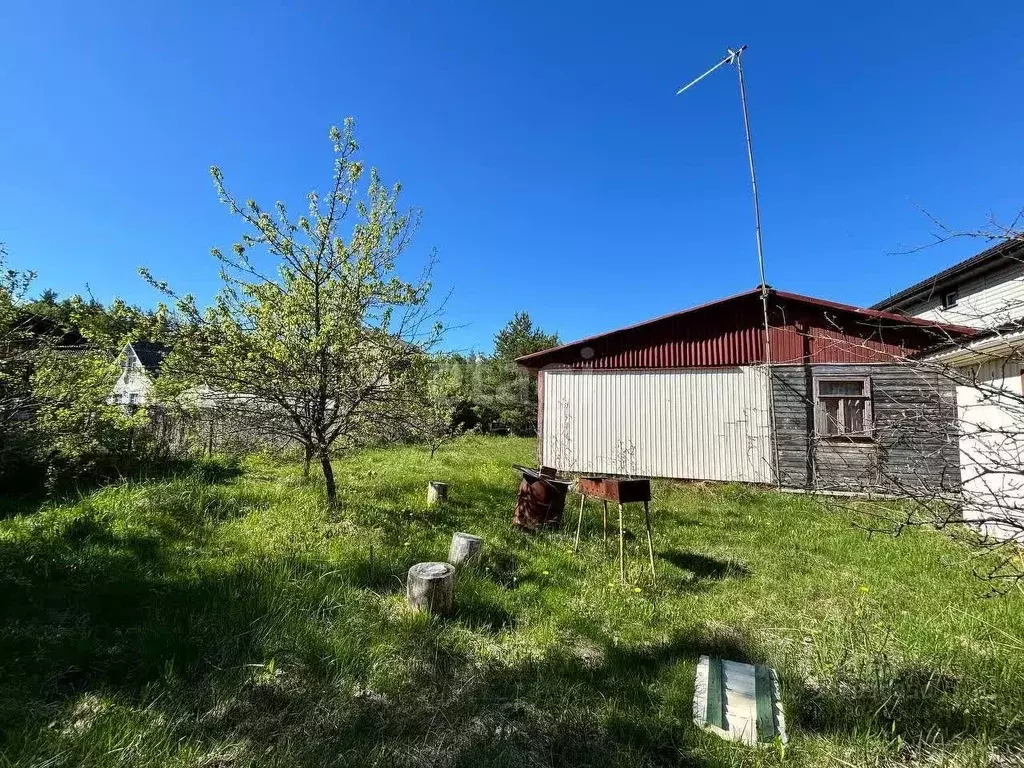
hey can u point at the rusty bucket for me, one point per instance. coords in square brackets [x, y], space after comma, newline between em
[540, 502]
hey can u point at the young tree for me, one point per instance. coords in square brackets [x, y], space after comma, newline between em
[15, 352]
[313, 325]
[435, 403]
[109, 328]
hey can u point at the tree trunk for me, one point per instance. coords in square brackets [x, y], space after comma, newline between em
[465, 548]
[307, 460]
[436, 493]
[325, 464]
[430, 587]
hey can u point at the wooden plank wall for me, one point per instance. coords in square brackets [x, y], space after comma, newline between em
[914, 445]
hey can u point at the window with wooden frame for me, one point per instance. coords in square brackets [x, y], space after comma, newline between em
[842, 406]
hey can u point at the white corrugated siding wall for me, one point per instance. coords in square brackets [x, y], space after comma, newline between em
[699, 424]
[992, 449]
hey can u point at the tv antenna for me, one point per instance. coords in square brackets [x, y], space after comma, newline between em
[736, 57]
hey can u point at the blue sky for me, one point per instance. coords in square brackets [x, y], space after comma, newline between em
[556, 170]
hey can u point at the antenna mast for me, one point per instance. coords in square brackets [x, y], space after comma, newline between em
[735, 57]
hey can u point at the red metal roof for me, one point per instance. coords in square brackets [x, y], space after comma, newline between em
[730, 332]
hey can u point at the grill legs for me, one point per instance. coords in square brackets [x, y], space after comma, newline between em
[579, 523]
[622, 535]
[622, 548]
[650, 541]
[604, 525]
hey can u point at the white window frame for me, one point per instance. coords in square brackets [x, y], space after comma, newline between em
[821, 419]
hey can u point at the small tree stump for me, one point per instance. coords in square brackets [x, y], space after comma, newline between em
[465, 548]
[430, 587]
[436, 493]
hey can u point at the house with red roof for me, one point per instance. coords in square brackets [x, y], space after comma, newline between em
[763, 387]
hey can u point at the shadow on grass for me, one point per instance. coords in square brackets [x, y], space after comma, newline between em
[93, 611]
[610, 706]
[914, 701]
[385, 576]
[705, 567]
[501, 567]
[33, 497]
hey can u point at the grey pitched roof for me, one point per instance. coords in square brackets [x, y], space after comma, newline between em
[150, 354]
[993, 258]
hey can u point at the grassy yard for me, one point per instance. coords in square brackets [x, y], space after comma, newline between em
[225, 618]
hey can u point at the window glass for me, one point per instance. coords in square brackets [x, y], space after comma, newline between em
[853, 417]
[828, 387]
[843, 407]
[831, 417]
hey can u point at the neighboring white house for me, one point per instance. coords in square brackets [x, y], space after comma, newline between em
[986, 292]
[140, 366]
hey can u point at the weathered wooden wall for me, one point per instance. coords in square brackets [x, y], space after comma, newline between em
[914, 442]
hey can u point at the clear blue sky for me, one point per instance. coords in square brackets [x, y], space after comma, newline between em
[557, 171]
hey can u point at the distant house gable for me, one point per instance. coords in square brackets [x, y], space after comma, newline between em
[149, 355]
[141, 362]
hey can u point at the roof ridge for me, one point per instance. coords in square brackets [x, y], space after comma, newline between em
[822, 303]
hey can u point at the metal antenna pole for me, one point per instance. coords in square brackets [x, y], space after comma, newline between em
[753, 175]
[735, 57]
[727, 60]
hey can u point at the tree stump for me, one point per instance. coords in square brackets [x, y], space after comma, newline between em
[430, 587]
[436, 493]
[465, 548]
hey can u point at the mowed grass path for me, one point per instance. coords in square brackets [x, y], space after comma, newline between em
[227, 618]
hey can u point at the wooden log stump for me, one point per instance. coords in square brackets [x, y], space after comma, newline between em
[430, 587]
[465, 548]
[436, 493]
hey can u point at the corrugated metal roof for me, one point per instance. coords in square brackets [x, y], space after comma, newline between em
[730, 332]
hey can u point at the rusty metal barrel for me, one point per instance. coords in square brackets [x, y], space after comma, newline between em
[540, 502]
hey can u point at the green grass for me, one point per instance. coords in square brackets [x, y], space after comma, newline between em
[227, 619]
